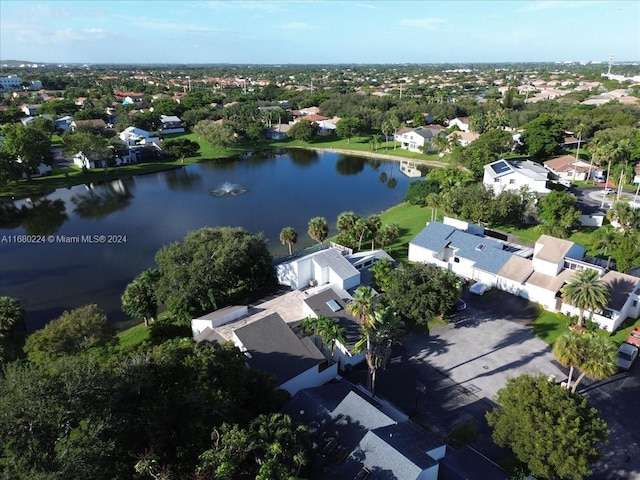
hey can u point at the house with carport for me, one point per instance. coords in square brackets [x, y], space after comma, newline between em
[537, 274]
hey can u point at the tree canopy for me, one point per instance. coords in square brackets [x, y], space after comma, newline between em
[213, 268]
[74, 331]
[553, 431]
[12, 328]
[420, 292]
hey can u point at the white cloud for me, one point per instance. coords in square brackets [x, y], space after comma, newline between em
[174, 26]
[297, 26]
[421, 22]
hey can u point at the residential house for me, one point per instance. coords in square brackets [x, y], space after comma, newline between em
[133, 136]
[356, 436]
[463, 138]
[510, 175]
[461, 122]
[569, 168]
[328, 126]
[87, 163]
[171, 124]
[63, 123]
[272, 347]
[417, 139]
[329, 303]
[30, 110]
[326, 267]
[278, 132]
[309, 111]
[26, 121]
[94, 124]
[537, 274]
[624, 293]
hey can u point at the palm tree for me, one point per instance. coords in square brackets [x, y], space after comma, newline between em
[288, 236]
[623, 215]
[586, 292]
[374, 222]
[568, 351]
[605, 238]
[318, 229]
[332, 333]
[598, 361]
[361, 230]
[346, 222]
[388, 234]
[384, 329]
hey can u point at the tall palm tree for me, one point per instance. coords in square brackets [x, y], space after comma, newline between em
[289, 237]
[379, 336]
[586, 292]
[598, 361]
[568, 350]
[374, 222]
[605, 238]
[332, 333]
[318, 229]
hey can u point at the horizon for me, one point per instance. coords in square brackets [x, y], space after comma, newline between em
[324, 32]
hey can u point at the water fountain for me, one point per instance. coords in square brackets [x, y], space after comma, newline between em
[228, 189]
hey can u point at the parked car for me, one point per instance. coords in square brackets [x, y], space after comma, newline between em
[634, 337]
[627, 354]
[478, 288]
[460, 305]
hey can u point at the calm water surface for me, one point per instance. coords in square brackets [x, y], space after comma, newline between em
[283, 189]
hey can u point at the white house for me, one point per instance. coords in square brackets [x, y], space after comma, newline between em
[83, 161]
[463, 138]
[461, 122]
[536, 274]
[171, 124]
[624, 292]
[326, 267]
[417, 139]
[505, 175]
[136, 136]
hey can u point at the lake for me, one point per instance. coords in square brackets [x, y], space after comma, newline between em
[92, 240]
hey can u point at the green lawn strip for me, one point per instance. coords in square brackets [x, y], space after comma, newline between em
[549, 326]
[133, 336]
[411, 219]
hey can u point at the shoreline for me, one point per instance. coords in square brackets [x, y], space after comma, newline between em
[383, 156]
[52, 183]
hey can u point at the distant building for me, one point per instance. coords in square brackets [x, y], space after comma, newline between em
[12, 82]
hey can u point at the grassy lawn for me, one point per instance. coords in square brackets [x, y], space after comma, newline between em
[411, 219]
[549, 326]
[133, 336]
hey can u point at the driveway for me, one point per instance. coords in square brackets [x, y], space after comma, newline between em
[463, 365]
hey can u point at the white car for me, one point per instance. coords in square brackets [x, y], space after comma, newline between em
[478, 288]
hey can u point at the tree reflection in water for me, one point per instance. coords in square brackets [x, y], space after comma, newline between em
[102, 200]
[40, 217]
[182, 179]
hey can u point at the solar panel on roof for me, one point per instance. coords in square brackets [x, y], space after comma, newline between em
[500, 167]
[334, 306]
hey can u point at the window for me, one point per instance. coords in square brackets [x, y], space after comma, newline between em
[456, 260]
[512, 181]
[635, 303]
[496, 180]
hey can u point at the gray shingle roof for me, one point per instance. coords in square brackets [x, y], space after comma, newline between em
[274, 348]
[318, 303]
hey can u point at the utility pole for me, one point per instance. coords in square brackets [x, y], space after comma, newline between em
[575, 164]
[606, 182]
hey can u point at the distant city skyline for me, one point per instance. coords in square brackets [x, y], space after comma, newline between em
[319, 32]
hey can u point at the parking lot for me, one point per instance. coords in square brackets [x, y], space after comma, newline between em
[450, 377]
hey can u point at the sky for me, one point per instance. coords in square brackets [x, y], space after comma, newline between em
[318, 31]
